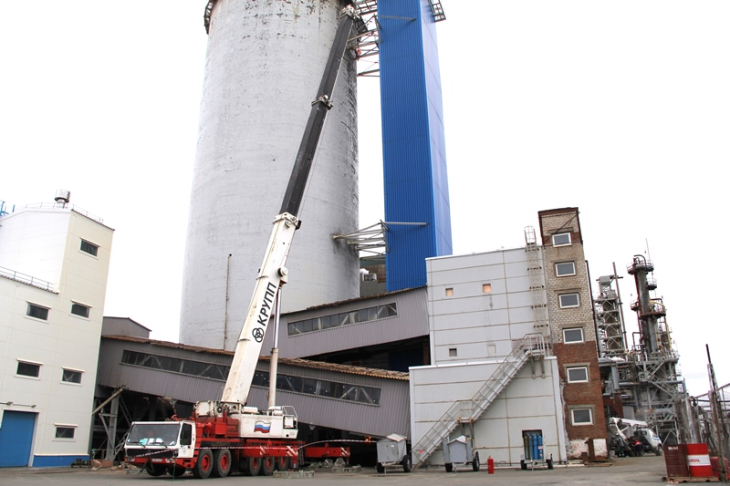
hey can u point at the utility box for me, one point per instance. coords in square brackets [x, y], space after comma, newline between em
[458, 451]
[391, 449]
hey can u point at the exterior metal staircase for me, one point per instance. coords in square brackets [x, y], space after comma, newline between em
[530, 347]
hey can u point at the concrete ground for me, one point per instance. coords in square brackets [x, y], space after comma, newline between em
[622, 471]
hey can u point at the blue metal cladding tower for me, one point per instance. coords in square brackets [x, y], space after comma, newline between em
[414, 155]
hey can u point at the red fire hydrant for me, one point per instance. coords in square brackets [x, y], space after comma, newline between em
[490, 465]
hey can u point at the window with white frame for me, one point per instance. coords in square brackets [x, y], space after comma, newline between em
[65, 431]
[581, 416]
[37, 311]
[80, 310]
[577, 374]
[561, 239]
[29, 368]
[90, 248]
[574, 335]
[564, 269]
[71, 376]
[569, 300]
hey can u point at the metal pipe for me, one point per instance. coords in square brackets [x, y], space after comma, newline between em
[274, 362]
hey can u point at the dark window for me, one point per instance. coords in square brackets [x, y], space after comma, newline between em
[80, 310]
[65, 432]
[561, 239]
[342, 319]
[89, 248]
[582, 416]
[37, 311]
[310, 386]
[186, 435]
[569, 300]
[573, 335]
[29, 369]
[564, 269]
[71, 376]
[577, 374]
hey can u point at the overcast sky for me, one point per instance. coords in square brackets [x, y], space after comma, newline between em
[621, 108]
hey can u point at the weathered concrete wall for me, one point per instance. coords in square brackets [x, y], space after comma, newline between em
[263, 66]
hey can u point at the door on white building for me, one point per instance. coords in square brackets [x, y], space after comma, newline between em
[16, 438]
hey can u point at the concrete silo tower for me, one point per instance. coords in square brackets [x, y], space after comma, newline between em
[264, 62]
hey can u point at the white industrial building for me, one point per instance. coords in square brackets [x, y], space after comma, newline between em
[54, 262]
[482, 325]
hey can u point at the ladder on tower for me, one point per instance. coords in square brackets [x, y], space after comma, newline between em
[438, 10]
[537, 288]
[531, 346]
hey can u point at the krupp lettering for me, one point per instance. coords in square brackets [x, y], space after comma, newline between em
[264, 315]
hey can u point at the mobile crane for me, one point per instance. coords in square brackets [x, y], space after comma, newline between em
[227, 435]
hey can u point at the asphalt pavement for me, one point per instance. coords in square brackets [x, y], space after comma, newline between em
[628, 471]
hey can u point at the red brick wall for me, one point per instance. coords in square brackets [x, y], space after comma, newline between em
[590, 393]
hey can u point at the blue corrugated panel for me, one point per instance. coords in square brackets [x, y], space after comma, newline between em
[16, 438]
[414, 158]
[58, 461]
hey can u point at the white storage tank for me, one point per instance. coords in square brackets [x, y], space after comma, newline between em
[263, 66]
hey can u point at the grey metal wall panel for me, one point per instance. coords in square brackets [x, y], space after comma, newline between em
[123, 326]
[411, 322]
[392, 415]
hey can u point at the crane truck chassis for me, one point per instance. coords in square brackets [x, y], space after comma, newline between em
[226, 435]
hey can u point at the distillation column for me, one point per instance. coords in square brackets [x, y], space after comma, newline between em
[658, 386]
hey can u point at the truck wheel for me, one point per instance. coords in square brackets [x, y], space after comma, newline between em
[221, 463]
[204, 466]
[282, 463]
[155, 469]
[251, 466]
[475, 464]
[176, 471]
[380, 468]
[267, 466]
[406, 463]
[449, 467]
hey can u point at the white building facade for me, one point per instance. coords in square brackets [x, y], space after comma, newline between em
[54, 263]
[481, 308]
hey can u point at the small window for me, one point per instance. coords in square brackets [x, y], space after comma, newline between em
[449, 292]
[561, 239]
[452, 352]
[578, 374]
[186, 435]
[71, 376]
[569, 300]
[486, 288]
[29, 369]
[80, 309]
[564, 269]
[573, 335]
[582, 416]
[89, 248]
[65, 432]
[37, 311]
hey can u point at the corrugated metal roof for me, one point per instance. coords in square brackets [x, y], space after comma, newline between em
[303, 363]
